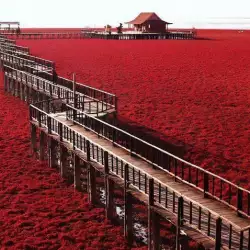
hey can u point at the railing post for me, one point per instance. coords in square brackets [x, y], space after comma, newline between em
[206, 184]
[60, 130]
[113, 136]
[67, 97]
[50, 89]
[33, 138]
[74, 142]
[218, 234]
[49, 124]
[39, 119]
[239, 201]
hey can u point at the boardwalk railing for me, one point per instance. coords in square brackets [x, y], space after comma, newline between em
[15, 48]
[210, 184]
[7, 41]
[105, 98]
[83, 101]
[22, 60]
[11, 56]
[96, 94]
[43, 35]
[194, 214]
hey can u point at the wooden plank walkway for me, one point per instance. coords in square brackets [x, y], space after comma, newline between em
[205, 219]
[199, 216]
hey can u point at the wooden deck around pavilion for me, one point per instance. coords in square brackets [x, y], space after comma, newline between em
[141, 36]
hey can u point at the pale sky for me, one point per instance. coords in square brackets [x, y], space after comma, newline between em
[97, 13]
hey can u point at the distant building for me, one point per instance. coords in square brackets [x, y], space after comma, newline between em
[149, 22]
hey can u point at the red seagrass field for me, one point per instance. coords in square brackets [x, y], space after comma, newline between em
[193, 93]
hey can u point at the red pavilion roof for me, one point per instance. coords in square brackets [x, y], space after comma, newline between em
[146, 16]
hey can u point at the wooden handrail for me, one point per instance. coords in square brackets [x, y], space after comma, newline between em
[14, 46]
[15, 51]
[62, 89]
[163, 151]
[89, 87]
[67, 89]
[30, 57]
[22, 59]
[113, 128]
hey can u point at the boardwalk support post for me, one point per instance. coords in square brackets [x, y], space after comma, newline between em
[77, 173]
[109, 189]
[22, 92]
[33, 138]
[63, 161]
[91, 178]
[179, 221]
[128, 216]
[52, 152]
[42, 142]
[153, 221]
[241, 240]
[218, 234]
[155, 231]
[5, 82]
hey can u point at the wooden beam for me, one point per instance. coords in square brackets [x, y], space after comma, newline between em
[128, 216]
[155, 231]
[42, 146]
[150, 203]
[179, 222]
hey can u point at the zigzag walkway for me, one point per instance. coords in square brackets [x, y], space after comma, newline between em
[192, 198]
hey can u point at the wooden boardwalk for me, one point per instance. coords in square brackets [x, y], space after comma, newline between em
[44, 35]
[185, 194]
[201, 206]
[103, 35]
